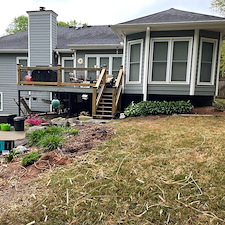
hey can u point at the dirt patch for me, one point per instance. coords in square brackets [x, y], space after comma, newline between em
[89, 137]
[207, 110]
[17, 181]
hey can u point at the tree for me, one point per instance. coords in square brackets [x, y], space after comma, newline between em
[70, 23]
[19, 24]
[218, 6]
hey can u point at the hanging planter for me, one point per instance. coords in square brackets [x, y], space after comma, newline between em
[55, 103]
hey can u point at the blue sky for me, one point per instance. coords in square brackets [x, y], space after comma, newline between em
[97, 12]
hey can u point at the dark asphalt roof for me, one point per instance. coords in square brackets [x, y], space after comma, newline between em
[174, 16]
[90, 35]
[14, 41]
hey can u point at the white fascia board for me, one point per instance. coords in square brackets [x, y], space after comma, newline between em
[13, 50]
[127, 29]
[93, 46]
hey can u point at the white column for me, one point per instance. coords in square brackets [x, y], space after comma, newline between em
[146, 65]
[194, 62]
[124, 61]
[218, 65]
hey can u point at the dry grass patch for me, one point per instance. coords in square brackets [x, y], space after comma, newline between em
[156, 170]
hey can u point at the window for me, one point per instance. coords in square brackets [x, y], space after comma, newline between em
[1, 101]
[112, 62]
[207, 61]
[23, 62]
[134, 61]
[170, 60]
[67, 62]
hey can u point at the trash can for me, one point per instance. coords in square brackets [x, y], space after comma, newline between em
[19, 123]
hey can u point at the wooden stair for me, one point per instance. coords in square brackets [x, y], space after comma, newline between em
[104, 109]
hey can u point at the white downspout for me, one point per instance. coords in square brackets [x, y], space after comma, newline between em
[218, 65]
[194, 62]
[146, 63]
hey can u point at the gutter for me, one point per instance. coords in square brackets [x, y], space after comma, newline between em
[95, 46]
[13, 50]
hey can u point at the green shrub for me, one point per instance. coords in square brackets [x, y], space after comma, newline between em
[219, 106]
[35, 136]
[73, 131]
[30, 159]
[50, 142]
[56, 130]
[155, 107]
[10, 156]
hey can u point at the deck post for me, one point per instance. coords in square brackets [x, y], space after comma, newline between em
[94, 97]
[19, 103]
[59, 77]
[114, 107]
[18, 74]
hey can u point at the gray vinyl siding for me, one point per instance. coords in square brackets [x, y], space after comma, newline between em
[207, 90]
[168, 89]
[8, 82]
[55, 89]
[36, 100]
[40, 40]
[134, 88]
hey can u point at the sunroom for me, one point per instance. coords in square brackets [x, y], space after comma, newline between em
[172, 55]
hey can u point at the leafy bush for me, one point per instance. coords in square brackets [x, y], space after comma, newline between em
[56, 130]
[30, 159]
[10, 156]
[155, 107]
[35, 136]
[73, 131]
[219, 106]
[50, 142]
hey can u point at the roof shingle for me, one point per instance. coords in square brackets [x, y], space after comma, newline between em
[174, 16]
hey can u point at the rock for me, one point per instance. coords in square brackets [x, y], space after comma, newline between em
[31, 129]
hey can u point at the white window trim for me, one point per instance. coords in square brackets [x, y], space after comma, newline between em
[17, 62]
[63, 65]
[138, 41]
[1, 98]
[213, 70]
[170, 61]
[98, 56]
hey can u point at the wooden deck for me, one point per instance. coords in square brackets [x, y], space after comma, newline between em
[78, 78]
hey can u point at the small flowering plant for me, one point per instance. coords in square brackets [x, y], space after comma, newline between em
[34, 120]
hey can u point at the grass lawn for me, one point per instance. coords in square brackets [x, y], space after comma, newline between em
[155, 170]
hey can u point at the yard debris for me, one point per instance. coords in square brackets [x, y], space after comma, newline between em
[20, 149]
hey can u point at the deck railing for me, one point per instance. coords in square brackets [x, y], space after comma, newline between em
[58, 76]
[117, 91]
[98, 90]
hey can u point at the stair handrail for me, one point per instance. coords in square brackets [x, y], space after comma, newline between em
[100, 84]
[117, 90]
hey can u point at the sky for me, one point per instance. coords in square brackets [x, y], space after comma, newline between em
[97, 12]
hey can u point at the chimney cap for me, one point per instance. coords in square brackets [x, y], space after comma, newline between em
[42, 8]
